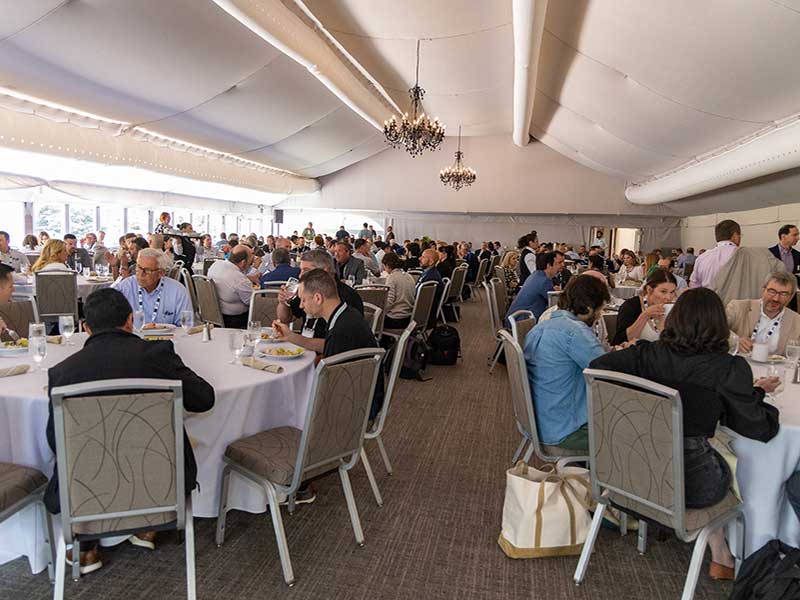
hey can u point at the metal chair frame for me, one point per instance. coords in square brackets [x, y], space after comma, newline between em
[36, 497]
[480, 276]
[416, 313]
[216, 318]
[40, 277]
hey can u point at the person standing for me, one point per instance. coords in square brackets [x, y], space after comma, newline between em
[728, 234]
[527, 258]
[784, 251]
[309, 233]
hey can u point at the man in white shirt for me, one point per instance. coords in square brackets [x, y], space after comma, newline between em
[599, 241]
[234, 288]
[13, 258]
[729, 236]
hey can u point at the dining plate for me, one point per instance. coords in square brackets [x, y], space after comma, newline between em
[7, 352]
[282, 352]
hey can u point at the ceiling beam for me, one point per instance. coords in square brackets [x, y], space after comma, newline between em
[528, 20]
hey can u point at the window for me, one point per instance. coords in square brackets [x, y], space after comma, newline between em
[50, 218]
[181, 215]
[199, 222]
[81, 219]
[13, 222]
[111, 221]
[232, 224]
[215, 225]
[137, 220]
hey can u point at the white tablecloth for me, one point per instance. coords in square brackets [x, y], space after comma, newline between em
[762, 470]
[247, 401]
[85, 286]
[624, 291]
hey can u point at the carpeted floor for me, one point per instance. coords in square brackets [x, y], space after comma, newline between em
[450, 440]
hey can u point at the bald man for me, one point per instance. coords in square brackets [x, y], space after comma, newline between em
[233, 286]
[428, 261]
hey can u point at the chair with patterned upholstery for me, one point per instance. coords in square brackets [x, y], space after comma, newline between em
[522, 321]
[188, 283]
[480, 277]
[374, 433]
[373, 316]
[56, 295]
[21, 487]
[280, 459]
[376, 295]
[636, 449]
[264, 306]
[207, 300]
[120, 445]
[423, 305]
[524, 410]
[18, 315]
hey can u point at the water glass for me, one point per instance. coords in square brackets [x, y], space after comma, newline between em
[733, 344]
[78, 267]
[66, 327]
[87, 272]
[236, 343]
[37, 348]
[291, 285]
[187, 321]
[35, 330]
[138, 321]
[793, 351]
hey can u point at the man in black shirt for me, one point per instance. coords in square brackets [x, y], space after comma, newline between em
[289, 307]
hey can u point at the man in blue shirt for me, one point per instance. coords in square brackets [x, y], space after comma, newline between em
[365, 233]
[533, 295]
[283, 269]
[161, 298]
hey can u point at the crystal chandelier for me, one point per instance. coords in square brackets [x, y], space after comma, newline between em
[458, 175]
[417, 132]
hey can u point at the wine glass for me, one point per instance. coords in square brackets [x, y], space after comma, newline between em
[35, 330]
[138, 321]
[37, 348]
[78, 267]
[236, 341]
[187, 321]
[66, 327]
[733, 344]
[793, 351]
[291, 285]
[351, 281]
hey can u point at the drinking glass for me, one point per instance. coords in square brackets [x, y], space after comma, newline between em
[733, 344]
[87, 272]
[291, 285]
[138, 321]
[37, 348]
[236, 341]
[351, 281]
[66, 327]
[793, 351]
[35, 330]
[78, 267]
[187, 321]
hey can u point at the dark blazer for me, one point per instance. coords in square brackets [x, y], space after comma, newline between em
[352, 268]
[795, 271]
[189, 253]
[432, 274]
[117, 355]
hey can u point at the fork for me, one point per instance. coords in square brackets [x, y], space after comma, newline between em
[13, 334]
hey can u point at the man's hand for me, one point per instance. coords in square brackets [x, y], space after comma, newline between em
[768, 384]
[281, 330]
[284, 295]
[745, 344]
[3, 327]
[113, 259]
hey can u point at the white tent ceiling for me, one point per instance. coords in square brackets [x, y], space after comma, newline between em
[665, 95]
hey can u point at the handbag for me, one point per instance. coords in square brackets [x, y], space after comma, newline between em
[546, 511]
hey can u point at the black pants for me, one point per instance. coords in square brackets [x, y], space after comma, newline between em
[706, 475]
[391, 323]
[235, 321]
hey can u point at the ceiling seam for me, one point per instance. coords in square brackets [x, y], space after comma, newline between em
[786, 6]
[651, 90]
[36, 21]
[356, 147]
[415, 38]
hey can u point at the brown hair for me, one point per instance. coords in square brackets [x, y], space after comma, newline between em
[697, 324]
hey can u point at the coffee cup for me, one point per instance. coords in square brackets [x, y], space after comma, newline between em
[760, 352]
[667, 308]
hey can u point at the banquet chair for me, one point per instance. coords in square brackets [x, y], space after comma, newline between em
[474, 286]
[375, 428]
[18, 315]
[207, 262]
[186, 280]
[374, 317]
[443, 299]
[456, 288]
[207, 300]
[610, 320]
[21, 487]
[522, 321]
[264, 306]
[56, 295]
[524, 410]
[175, 271]
[636, 450]
[496, 296]
[280, 459]
[423, 305]
[377, 295]
[415, 273]
[490, 271]
[500, 273]
[132, 480]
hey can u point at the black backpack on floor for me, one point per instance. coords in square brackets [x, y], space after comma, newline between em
[414, 361]
[445, 345]
[771, 573]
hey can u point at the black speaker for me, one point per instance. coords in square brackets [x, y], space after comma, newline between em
[277, 215]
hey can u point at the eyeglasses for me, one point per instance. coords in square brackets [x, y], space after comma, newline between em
[144, 271]
[774, 292]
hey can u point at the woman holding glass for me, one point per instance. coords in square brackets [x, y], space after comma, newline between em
[643, 316]
[630, 270]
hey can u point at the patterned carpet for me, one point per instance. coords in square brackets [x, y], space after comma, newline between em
[450, 440]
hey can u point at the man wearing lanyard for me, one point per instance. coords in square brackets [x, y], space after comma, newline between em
[768, 320]
[160, 298]
[784, 251]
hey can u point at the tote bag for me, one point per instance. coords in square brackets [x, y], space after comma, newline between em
[546, 512]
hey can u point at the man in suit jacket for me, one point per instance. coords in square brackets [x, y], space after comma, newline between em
[767, 320]
[348, 265]
[114, 352]
[784, 251]
[428, 262]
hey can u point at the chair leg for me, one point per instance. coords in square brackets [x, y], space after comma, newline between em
[736, 529]
[371, 477]
[76, 560]
[191, 582]
[588, 545]
[50, 540]
[623, 523]
[528, 454]
[441, 314]
[280, 536]
[695, 564]
[222, 512]
[520, 448]
[351, 506]
[642, 537]
[61, 567]
[291, 503]
[496, 356]
[385, 456]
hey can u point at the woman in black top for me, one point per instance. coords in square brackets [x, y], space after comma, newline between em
[715, 387]
[447, 261]
[642, 317]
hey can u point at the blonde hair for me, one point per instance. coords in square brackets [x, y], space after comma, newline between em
[49, 254]
[506, 262]
[651, 260]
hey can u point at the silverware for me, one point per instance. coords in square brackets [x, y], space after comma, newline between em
[13, 334]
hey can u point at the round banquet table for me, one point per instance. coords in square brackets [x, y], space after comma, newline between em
[246, 401]
[85, 286]
[762, 470]
[624, 291]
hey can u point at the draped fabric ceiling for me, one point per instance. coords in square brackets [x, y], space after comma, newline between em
[270, 94]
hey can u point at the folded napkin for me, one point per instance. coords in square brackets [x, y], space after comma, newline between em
[254, 363]
[55, 339]
[197, 329]
[15, 370]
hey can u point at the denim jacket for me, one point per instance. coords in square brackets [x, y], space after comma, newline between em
[556, 353]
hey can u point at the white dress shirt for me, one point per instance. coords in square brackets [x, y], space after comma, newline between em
[233, 288]
[708, 264]
[763, 328]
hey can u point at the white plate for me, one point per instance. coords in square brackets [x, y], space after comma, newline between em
[162, 329]
[10, 352]
[268, 331]
[268, 356]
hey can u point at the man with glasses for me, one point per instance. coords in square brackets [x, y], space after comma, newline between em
[160, 298]
[767, 320]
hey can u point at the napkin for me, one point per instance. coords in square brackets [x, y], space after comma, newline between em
[197, 329]
[54, 339]
[254, 363]
[15, 370]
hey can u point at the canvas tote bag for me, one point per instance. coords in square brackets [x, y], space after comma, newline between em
[546, 512]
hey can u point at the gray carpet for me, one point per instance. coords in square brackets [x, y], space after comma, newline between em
[450, 440]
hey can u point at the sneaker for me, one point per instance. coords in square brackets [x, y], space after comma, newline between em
[144, 539]
[304, 495]
[90, 560]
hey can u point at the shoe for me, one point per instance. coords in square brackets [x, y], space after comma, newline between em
[721, 572]
[144, 539]
[90, 560]
[304, 495]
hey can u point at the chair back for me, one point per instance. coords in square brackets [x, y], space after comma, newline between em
[119, 445]
[207, 300]
[415, 273]
[187, 282]
[610, 320]
[18, 315]
[374, 294]
[490, 304]
[207, 262]
[264, 306]
[483, 268]
[336, 417]
[457, 284]
[500, 273]
[687, 272]
[175, 270]
[373, 315]
[399, 350]
[423, 304]
[492, 264]
[522, 321]
[443, 297]
[500, 301]
[636, 445]
[521, 395]
[57, 294]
